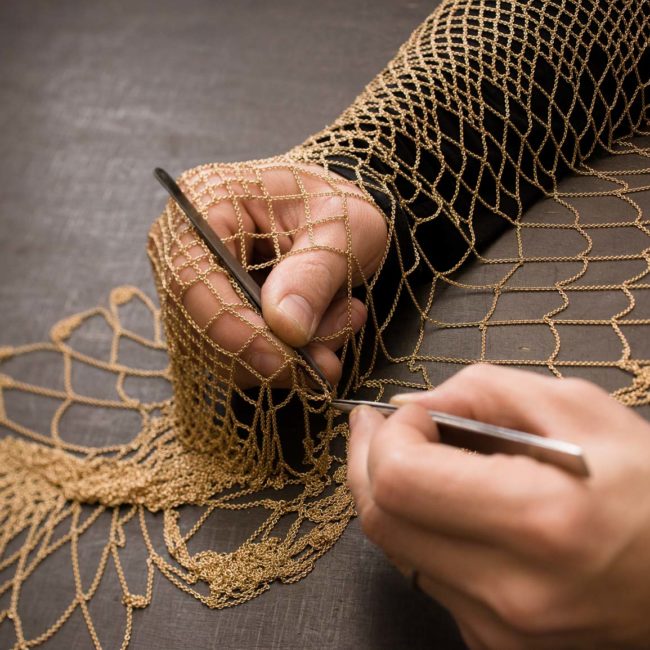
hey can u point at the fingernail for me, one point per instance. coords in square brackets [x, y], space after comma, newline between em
[300, 312]
[357, 415]
[405, 398]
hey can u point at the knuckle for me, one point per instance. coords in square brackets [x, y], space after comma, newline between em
[373, 523]
[290, 216]
[319, 267]
[315, 263]
[365, 217]
[557, 530]
[387, 479]
[329, 205]
[477, 373]
[574, 387]
[524, 607]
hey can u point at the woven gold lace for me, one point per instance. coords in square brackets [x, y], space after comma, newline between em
[228, 441]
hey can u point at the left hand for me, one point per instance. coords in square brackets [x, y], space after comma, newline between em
[315, 233]
[523, 554]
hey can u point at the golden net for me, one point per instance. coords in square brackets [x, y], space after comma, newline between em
[479, 115]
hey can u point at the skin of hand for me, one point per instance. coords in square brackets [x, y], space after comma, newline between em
[305, 296]
[524, 555]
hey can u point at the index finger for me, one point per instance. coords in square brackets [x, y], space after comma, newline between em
[567, 408]
[453, 492]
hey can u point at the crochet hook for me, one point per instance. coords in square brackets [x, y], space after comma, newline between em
[244, 280]
[490, 439]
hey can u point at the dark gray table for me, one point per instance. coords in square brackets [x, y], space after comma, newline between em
[92, 97]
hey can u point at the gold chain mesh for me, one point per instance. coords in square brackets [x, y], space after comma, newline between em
[418, 144]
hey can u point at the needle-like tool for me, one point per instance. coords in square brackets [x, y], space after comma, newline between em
[490, 439]
[245, 281]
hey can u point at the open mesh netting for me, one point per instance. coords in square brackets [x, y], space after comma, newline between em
[481, 113]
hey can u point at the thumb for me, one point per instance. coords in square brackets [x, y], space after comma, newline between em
[337, 238]
[299, 290]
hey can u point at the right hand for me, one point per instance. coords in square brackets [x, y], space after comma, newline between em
[306, 295]
[522, 553]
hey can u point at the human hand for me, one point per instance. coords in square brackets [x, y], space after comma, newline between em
[523, 554]
[311, 235]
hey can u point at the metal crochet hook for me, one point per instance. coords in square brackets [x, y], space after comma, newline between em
[245, 281]
[489, 439]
